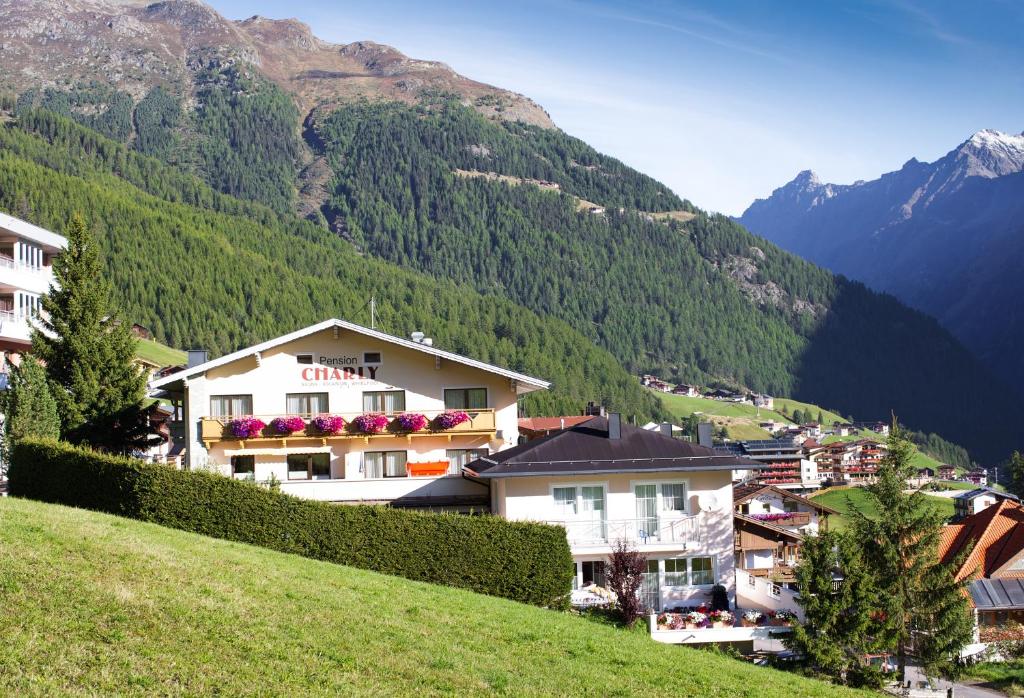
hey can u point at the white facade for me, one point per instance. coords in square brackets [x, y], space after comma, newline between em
[345, 370]
[26, 273]
[681, 521]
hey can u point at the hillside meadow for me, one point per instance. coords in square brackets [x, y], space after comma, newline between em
[99, 605]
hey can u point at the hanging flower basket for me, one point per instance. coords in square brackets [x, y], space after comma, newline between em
[409, 422]
[245, 427]
[286, 426]
[327, 424]
[450, 419]
[373, 423]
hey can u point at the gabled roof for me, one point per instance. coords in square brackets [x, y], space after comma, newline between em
[585, 449]
[747, 491]
[525, 384]
[549, 423]
[979, 491]
[994, 537]
[769, 527]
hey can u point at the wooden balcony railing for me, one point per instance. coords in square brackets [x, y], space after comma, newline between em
[481, 423]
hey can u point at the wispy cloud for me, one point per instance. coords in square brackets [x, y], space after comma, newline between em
[926, 23]
[697, 25]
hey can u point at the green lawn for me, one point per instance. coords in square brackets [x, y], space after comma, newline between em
[842, 499]
[98, 605]
[683, 406]
[1006, 677]
[791, 405]
[157, 353]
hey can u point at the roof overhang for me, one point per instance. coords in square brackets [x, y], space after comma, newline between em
[523, 383]
[24, 229]
[608, 470]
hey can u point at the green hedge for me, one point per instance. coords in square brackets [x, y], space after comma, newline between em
[526, 562]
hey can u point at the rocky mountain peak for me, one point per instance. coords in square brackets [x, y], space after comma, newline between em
[989, 153]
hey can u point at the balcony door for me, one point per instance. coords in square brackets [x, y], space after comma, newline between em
[646, 512]
[650, 587]
[592, 511]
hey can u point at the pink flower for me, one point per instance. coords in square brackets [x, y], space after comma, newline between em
[450, 419]
[410, 421]
[327, 423]
[373, 423]
[245, 427]
[287, 425]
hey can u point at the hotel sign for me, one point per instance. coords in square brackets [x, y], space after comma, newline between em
[339, 370]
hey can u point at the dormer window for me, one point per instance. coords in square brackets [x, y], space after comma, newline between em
[304, 358]
[371, 357]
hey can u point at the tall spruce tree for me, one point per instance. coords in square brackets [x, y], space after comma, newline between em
[28, 406]
[89, 353]
[840, 625]
[923, 608]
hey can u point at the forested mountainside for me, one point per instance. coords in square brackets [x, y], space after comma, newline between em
[204, 269]
[946, 237]
[369, 172]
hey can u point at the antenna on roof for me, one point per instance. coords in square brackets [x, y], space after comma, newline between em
[373, 312]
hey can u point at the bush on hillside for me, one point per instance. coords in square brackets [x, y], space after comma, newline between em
[522, 561]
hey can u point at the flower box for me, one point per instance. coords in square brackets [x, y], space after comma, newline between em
[286, 426]
[245, 427]
[409, 422]
[749, 623]
[373, 423]
[450, 420]
[427, 468]
[327, 424]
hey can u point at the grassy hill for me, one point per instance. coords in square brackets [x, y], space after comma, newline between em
[157, 353]
[741, 421]
[843, 500]
[95, 604]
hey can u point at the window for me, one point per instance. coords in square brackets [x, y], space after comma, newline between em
[377, 464]
[243, 467]
[565, 501]
[309, 466]
[306, 404]
[593, 573]
[788, 505]
[675, 572]
[386, 401]
[767, 506]
[465, 398]
[304, 358]
[701, 571]
[459, 457]
[230, 405]
[371, 357]
[673, 497]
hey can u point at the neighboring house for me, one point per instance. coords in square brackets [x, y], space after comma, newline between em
[993, 541]
[925, 474]
[812, 430]
[784, 464]
[27, 253]
[947, 472]
[977, 477]
[531, 428]
[765, 401]
[977, 500]
[345, 370]
[686, 389]
[605, 481]
[781, 507]
[842, 429]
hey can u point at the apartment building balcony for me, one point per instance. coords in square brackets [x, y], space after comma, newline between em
[15, 326]
[679, 531]
[15, 275]
[480, 422]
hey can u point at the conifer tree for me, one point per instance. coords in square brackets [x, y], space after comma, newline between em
[924, 611]
[28, 406]
[1016, 466]
[88, 353]
[840, 622]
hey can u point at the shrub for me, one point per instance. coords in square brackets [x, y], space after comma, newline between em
[719, 598]
[527, 562]
[626, 574]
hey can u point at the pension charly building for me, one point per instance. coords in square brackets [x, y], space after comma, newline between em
[341, 412]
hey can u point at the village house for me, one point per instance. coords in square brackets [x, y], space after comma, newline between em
[977, 500]
[765, 401]
[686, 390]
[783, 464]
[344, 413]
[977, 477]
[947, 472]
[605, 481]
[770, 525]
[994, 543]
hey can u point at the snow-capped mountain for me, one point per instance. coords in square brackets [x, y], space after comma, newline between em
[946, 237]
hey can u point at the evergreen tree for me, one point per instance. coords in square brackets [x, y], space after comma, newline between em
[839, 625]
[88, 353]
[798, 417]
[821, 417]
[28, 406]
[1016, 466]
[923, 608]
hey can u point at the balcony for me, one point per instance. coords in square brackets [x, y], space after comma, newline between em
[481, 423]
[14, 326]
[24, 277]
[788, 518]
[684, 530]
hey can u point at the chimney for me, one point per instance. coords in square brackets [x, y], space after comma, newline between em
[666, 429]
[197, 356]
[594, 410]
[614, 426]
[704, 434]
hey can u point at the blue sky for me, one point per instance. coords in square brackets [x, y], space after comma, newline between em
[722, 101]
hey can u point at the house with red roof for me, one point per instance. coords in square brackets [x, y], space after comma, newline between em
[993, 542]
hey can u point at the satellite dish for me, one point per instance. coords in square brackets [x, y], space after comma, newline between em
[708, 501]
[417, 336]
